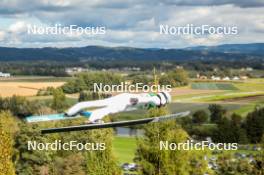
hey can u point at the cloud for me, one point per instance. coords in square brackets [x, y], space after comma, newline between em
[130, 23]
[17, 7]
[18, 27]
[240, 3]
[2, 36]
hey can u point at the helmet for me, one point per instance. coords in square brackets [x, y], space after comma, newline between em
[165, 97]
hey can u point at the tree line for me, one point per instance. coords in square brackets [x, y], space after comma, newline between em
[229, 128]
[86, 81]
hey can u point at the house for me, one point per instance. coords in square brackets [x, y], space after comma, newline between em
[249, 69]
[236, 78]
[73, 70]
[215, 78]
[226, 79]
[243, 77]
[203, 77]
[5, 74]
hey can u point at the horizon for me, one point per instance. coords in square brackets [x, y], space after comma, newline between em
[129, 46]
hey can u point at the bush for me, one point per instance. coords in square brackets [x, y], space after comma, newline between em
[85, 81]
[18, 105]
[87, 95]
[178, 77]
[200, 117]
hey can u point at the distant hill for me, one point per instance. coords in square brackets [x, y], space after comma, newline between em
[228, 52]
[254, 48]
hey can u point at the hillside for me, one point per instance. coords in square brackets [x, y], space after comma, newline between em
[227, 52]
[253, 48]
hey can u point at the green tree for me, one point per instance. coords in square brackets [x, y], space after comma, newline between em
[86, 81]
[29, 161]
[9, 122]
[88, 95]
[18, 105]
[229, 165]
[59, 100]
[141, 79]
[230, 130]
[73, 164]
[155, 161]
[200, 117]
[8, 129]
[254, 125]
[6, 152]
[216, 112]
[98, 162]
[167, 80]
[178, 77]
[102, 161]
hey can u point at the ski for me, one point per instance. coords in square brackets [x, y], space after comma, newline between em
[116, 124]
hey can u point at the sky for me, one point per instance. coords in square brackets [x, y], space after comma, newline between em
[131, 23]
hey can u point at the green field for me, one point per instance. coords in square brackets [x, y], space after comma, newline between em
[35, 79]
[243, 111]
[173, 108]
[213, 86]
[124, 149]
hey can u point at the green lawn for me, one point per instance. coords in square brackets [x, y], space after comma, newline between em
[213, 86]
[243, 111]
[35, 79]
[250, 86]
[124, 149]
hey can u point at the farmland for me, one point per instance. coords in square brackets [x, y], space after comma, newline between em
[34, 79]
[213, 86]
[28, 85]
[239, 97]
[8, 89]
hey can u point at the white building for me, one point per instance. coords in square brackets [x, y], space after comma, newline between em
[215, 78]
[235, 78]
[5, 74]
[73, 70]
[243, 77]
[226, 78]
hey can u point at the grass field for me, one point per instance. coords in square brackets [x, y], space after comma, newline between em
[34, 79]
[213, 86]
[124, 148]
[245, 94]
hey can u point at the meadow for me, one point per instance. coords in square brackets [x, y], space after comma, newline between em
[124, 148]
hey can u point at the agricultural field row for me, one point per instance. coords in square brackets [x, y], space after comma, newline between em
[35, 79]
[213, 86]
[8, 89]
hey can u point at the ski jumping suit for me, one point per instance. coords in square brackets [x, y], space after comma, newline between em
[119, 103]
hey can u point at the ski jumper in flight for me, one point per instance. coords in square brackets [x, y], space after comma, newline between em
[119, 103]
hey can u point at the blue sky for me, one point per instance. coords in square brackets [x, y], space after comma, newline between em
[133, 23]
